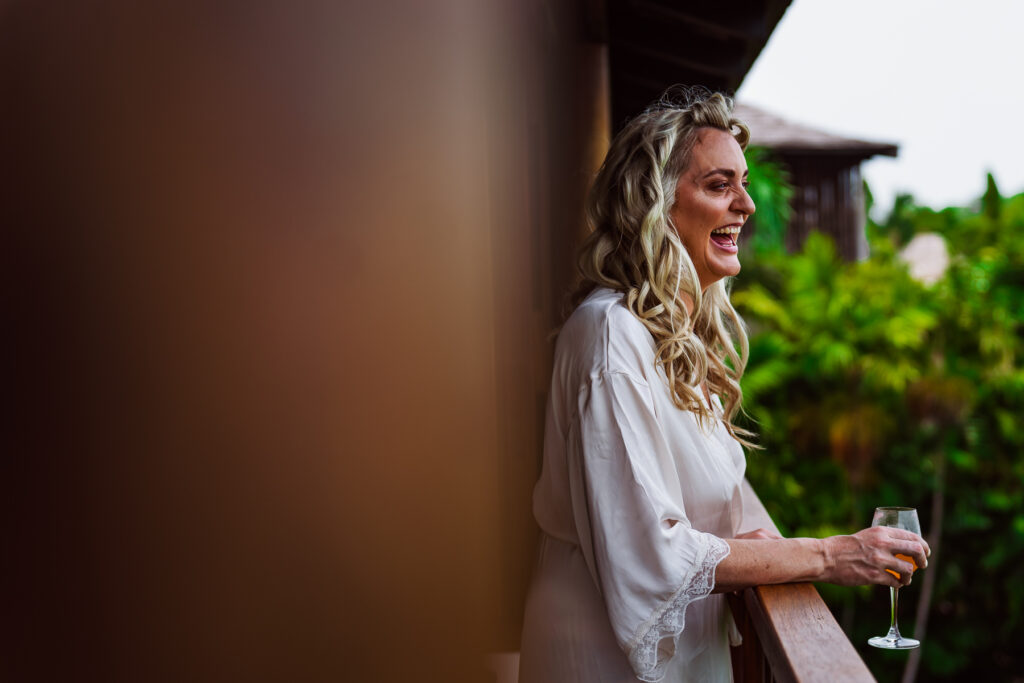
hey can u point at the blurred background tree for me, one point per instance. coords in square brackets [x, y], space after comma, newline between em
[870, 388]
[772, 193]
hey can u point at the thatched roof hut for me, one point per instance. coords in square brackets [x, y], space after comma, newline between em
[825, 171]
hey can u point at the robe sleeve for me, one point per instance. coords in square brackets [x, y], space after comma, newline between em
[647, 560]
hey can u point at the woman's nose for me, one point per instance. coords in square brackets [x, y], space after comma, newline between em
[744, 204]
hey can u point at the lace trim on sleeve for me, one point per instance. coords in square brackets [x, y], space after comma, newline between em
[647, 655]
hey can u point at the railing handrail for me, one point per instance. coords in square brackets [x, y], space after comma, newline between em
[797, 636]
[788, 628]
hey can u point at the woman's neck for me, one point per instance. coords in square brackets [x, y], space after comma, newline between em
[688, 302]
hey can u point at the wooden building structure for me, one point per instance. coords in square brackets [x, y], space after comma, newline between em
[653, 44]
[282, 284]
[824, 169]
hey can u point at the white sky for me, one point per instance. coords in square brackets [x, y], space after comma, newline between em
[942, 79]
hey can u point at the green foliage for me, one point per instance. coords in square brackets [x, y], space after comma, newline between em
[899, 226]
[991, 202]
[869, 388]
[772, 193]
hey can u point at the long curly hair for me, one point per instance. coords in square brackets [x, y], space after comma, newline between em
[634, 248]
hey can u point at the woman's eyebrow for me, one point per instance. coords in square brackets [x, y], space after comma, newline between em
[727, 172]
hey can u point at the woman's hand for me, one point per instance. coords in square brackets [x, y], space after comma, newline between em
[864, 557]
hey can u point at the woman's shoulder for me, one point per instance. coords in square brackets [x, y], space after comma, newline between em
[602, 335]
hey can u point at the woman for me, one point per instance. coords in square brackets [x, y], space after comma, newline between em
[640, 500]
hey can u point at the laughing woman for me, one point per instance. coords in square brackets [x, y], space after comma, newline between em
[640, 501]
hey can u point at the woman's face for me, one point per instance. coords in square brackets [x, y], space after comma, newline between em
[712, 204]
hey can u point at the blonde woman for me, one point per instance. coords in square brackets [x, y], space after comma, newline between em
[640, 499]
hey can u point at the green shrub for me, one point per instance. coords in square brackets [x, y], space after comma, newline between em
[868, 388]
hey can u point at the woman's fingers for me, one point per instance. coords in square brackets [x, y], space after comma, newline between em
[915, 553]
[887, 556]
[912, 547]
[905, 535]
[899, 569]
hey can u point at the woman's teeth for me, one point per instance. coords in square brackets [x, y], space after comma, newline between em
[730, 233]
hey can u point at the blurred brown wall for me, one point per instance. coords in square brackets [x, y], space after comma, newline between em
[278, 282]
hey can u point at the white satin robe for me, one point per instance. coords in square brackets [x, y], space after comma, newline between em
[633, 500]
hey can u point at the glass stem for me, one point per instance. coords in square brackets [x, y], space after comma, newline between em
[894, 628]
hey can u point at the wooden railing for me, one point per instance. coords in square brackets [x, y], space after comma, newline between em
[789, 634]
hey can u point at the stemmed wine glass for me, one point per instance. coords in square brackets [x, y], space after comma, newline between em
[898, 518]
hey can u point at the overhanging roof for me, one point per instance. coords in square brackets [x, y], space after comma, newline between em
[775, 133]
[654, 44]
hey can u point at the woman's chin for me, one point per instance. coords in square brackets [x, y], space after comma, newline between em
[720, 268]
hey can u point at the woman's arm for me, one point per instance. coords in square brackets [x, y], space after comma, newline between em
[760, 556]
[854, 560]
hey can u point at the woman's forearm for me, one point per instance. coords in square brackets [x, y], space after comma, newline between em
[756, 562]
[866, 557]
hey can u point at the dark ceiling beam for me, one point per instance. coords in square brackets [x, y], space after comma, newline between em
[654, 44]
[668, 62]
[745, 21]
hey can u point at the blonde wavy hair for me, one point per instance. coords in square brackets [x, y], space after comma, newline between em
[633, 248]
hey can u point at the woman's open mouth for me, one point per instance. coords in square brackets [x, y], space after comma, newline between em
[726, 237]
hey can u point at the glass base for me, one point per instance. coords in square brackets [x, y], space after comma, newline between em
[894, 643]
